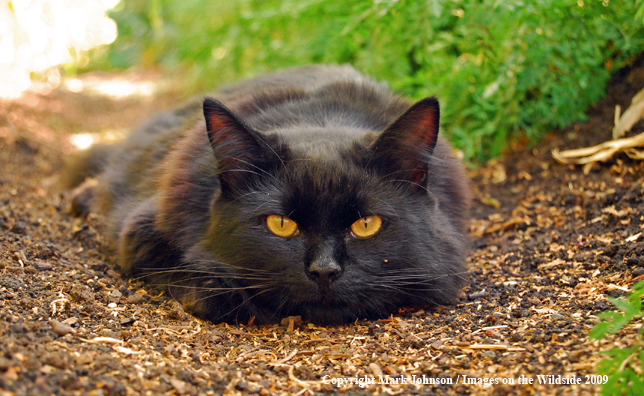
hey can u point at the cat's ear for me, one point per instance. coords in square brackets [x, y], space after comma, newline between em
[404, 149]
[241, 154]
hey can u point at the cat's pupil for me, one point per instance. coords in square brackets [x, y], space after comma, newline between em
[282, 222]
[365, 223]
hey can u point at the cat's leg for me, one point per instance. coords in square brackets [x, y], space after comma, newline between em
[194, 278]
[82, 198]
[142, 248]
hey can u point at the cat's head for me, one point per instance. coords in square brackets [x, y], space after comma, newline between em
[348, 231]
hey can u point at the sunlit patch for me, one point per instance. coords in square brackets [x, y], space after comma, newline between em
[74, 85]
[113, 87]
[83, 140]
[39, 34]
[122, 88]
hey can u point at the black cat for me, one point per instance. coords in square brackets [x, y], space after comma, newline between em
[313, 192]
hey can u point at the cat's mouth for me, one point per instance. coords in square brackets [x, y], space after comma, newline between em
[327, 303]
[325, 299]
[328, 311]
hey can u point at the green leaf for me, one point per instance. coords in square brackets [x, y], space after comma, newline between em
[608, 315]
[624, 305]
[600, 330]
[639, 286]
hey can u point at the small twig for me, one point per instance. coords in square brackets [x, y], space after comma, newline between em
[98, 340]
[286, 359]
[292, 377]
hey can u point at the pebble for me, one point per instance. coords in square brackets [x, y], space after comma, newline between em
[60, 328]
[242, 385]
[480, 294]
[82, 293]
[86, 358]
[19, 228]
[135, 299]
[489, 354]
[179, 385]
[70, 321]
[391, 370]
[375, 369]
[109, 333]
[175, 311]
[611, 250]
[11, 282]
[557, 316]
[115, 294]
[44, 266]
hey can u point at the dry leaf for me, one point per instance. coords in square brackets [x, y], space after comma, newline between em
[606, 150]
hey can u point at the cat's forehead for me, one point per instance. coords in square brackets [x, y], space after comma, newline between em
[322, 143]
[324, 184]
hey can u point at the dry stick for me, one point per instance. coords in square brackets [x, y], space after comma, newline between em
[604, 151]
[601, 152]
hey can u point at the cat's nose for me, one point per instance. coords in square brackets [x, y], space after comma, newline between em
[323, 271]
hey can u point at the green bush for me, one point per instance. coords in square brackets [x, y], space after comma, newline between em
[501, 68]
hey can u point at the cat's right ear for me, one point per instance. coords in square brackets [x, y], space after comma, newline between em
[403, 151]
[241, 154]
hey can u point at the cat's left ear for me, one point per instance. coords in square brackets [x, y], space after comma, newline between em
[404, 149]
[242, 155]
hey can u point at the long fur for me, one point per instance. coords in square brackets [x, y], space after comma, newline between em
[188, 194]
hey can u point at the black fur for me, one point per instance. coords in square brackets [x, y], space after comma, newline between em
[188, 195]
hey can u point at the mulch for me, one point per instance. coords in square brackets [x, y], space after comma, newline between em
[549, 244]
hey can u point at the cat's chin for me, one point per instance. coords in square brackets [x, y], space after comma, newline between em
[333, 311]
[325, 314]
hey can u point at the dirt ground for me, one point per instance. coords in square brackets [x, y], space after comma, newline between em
[550, 243]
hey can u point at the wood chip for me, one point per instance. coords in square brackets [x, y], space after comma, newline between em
[488, 346]
[103, 340]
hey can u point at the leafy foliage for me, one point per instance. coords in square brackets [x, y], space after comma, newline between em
[622, 367]
[502, 69]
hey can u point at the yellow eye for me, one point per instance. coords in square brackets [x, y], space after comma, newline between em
[281, 226]
[366, 227]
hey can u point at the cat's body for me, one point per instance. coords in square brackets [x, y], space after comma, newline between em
[189, 200]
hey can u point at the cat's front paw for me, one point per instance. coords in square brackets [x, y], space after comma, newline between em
[82, 198]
